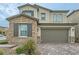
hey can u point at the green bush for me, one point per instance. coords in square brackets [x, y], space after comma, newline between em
[19, 50]
[3, 42]
[1, 52]
[29, 48]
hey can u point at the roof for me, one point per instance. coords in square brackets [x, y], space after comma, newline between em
[50, 9]
[61, 11]
[18, 15]
[38, 6]
[27, 5]
[72, 12]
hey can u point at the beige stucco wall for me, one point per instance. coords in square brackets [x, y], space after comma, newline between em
[19, 40]
[74, 18]
[28, 8]
[49, 15]
[41, 10]
[64, 15]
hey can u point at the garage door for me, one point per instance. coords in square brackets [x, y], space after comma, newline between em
[54, 35]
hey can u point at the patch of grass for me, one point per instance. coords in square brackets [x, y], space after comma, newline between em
[3, 42]
[1, 52]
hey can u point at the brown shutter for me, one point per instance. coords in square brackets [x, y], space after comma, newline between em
[29, 30]
[16, 29]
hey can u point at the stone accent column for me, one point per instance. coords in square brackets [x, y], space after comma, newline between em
[39, 35]
[71, 35]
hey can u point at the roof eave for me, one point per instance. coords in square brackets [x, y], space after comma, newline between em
[26, 5]
[72, 12]
[61, 11]
[9, 18]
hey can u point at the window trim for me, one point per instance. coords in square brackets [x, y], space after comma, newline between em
[20, 32]
[55, 18]
[44, 16]
[24, 12]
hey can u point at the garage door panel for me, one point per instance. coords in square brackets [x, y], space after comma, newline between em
[53, 35]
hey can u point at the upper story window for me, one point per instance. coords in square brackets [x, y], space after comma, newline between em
[29, 12]
[58, 18]
[43, 16]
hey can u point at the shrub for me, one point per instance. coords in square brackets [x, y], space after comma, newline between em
[1, 52]
[3, 42]
[28, 48]
[19, 50]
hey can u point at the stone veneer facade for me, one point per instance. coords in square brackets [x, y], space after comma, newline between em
[20, 40]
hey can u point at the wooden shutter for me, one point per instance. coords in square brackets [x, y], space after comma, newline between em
[29, 30]
[16, 29]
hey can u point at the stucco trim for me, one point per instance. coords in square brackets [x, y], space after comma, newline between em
[58, 24]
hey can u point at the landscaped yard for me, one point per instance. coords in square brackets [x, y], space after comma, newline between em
[3, 42]
[59, 49]
[53, 49]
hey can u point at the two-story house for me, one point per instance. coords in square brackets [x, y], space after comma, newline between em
[41, 24]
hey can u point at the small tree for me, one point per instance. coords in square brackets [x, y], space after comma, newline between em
[29, 48]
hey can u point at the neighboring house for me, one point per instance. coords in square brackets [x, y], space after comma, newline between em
[74, 18]
[3, 30]
[41, 24]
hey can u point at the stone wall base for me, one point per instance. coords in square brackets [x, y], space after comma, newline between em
[71, 40]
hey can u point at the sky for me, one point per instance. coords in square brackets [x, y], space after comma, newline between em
[10, 9]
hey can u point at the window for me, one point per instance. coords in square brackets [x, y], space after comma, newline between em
[23, 30]
[43, 16]
[57, 18]
[30, 13]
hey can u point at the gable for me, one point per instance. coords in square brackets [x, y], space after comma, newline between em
[34, 6]
[27, 8]
[22, 15]
[27, 5]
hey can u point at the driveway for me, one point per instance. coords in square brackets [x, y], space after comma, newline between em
[59, 49]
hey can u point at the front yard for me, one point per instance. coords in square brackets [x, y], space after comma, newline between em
[59, 49]
[44, 49]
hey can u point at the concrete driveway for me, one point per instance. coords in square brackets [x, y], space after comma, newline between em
[59, 49]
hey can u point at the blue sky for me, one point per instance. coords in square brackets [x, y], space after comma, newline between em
[9, 9]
